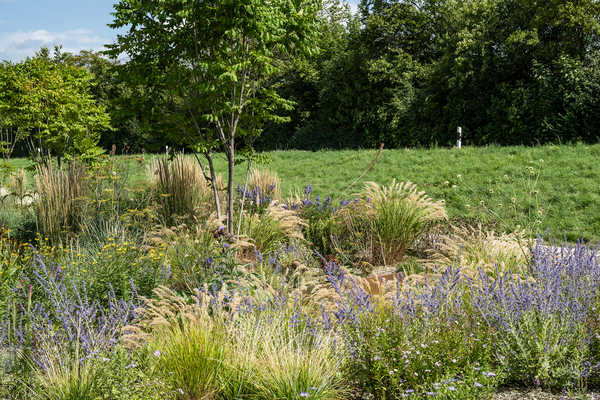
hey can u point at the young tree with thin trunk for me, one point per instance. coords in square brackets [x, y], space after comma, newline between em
[216, 58]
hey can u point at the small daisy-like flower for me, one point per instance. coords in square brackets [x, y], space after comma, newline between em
[156, 353]
[180, 390]
[304, 394]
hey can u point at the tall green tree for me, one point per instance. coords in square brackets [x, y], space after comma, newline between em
[213, 59]
[50, 104]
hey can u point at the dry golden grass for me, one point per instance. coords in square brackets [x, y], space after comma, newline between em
[266, 181]
[61, 195]
[181, 185]
[18, 183]
[474, 247]
[407, 192]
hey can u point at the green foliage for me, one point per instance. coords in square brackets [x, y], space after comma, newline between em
[443, 358]
[118, 265]
[387, 220]
[123, 374]
[49, 103]
[190, 358]
[65, 382]
[225, 52]
[543, 350]
[410, 73]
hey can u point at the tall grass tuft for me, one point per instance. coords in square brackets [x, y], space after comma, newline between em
[181, 186]
[18, 186]
[64, 378]
[59, 207]
[190, 357]
[225, 345]
[273, 227]
[280, 357]
[385, 221]
[265, 182]
[473, 248]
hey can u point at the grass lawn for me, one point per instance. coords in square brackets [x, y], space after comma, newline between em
[547, 187]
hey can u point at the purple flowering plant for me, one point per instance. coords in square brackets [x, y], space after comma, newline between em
[542, 327]
[51, 310]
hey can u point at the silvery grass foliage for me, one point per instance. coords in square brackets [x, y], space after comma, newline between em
[542, 325]
[65, 319]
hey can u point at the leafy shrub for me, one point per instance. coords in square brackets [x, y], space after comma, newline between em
[540, 330]
[204, 257]
[125, 267]
[417, 348]
[544, 325]
[125, 375]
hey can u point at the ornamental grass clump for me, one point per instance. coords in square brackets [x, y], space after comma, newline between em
[224, 344]
[264, 182]
[474, 247]
[180, 185]
[270, 228]
[384, 222]
[63, 377]
[61, 194]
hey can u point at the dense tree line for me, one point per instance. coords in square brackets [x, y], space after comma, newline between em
[409, 72]
[402, 72]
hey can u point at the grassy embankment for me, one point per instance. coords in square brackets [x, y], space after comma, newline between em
[547, 187]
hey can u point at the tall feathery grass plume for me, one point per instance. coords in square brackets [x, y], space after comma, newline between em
[264, 182]
[61, 198]
[180, 184]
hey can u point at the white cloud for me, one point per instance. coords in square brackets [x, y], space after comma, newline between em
[16, 46]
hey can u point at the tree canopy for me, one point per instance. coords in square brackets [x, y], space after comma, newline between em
[211, 61]
[50, 105]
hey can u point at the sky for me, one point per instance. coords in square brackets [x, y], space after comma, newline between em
[28, 25]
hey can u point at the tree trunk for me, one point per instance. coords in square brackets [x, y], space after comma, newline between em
[213, 182]
[231, 165]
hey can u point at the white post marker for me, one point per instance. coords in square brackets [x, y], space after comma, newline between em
[459, 140]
